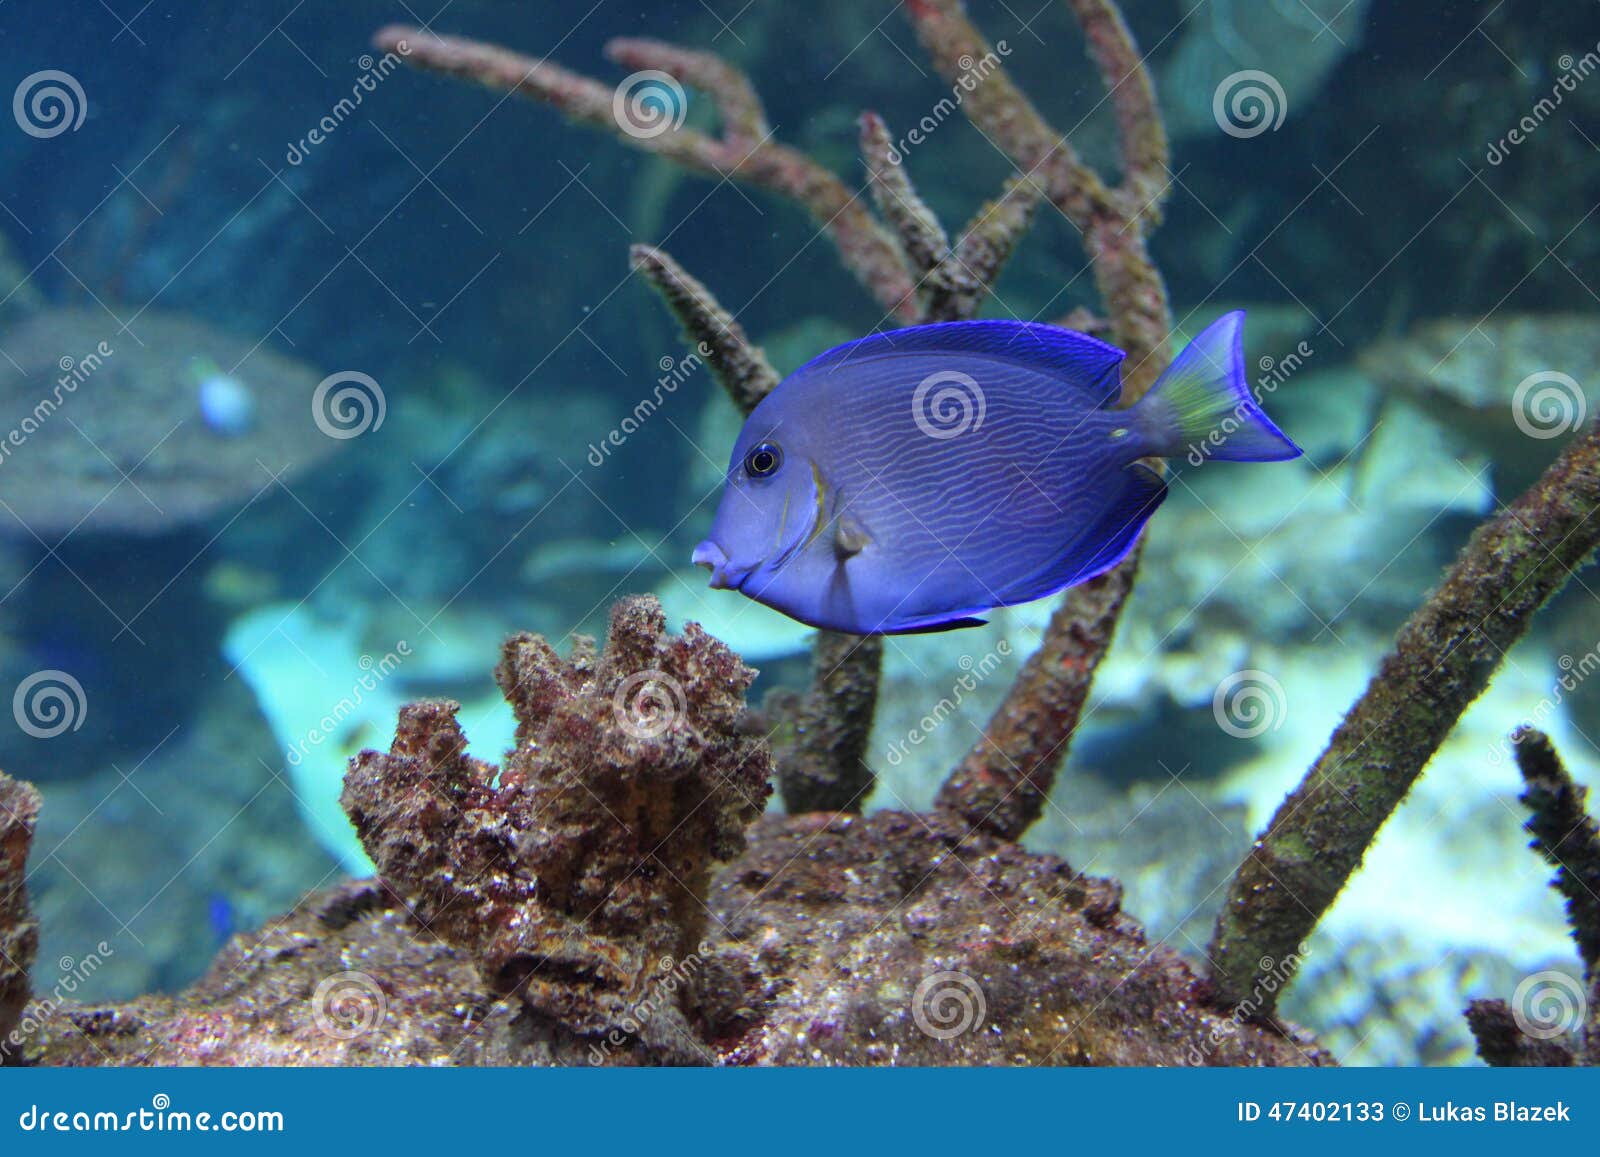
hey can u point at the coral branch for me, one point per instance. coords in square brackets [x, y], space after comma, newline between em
[921, 235]
[19, 931]
[1141, 134]
[1441, 661]
[745, 151]
[740, 366]
[1004, 781]
[997, 106]
[824, 768]
[1502, 1044]
[578, 873]
[985, 246]
[737, 104]
[1566, 836]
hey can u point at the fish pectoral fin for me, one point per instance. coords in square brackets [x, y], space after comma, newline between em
[850, 538]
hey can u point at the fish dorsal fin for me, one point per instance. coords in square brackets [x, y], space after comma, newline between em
[1074, 357]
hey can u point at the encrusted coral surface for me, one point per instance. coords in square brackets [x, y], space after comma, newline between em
[832, 939]
[19, 932]
[572, 872]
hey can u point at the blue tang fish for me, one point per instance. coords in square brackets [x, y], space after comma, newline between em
[913, 480]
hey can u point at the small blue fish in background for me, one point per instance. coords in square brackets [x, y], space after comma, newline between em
[913, 480]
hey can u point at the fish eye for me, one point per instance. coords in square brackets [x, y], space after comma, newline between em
[763, 460]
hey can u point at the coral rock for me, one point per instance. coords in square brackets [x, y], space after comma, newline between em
[574, 874]
[19, 932]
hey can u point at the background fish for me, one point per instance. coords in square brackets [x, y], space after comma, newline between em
[912, 480]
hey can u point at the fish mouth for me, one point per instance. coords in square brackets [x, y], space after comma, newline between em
[725, 575]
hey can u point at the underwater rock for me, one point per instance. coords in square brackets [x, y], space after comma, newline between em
[1213, 81]
[1505, 382]
[19, 931]
[831, 940]
[113, 436]
[572, 872]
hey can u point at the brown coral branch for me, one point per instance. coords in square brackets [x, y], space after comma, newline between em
[1504, 1045]
[1002, 784]
[740, 366]
[19, 931]
[1441, 661]
[741, 153]
[743, 116]
[576, 875]
[824, 767]
[1566, 836]
[1141, 134]
[1004, 781]
[986, 244]
[921, 235]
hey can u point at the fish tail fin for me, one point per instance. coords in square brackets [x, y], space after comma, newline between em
[1202, 406]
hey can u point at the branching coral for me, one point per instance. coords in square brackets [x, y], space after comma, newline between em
[914, 270]
[1441, 661]
[1569, 840]
[1004, 781]
[580, 866]
[745, 150]
[19, 931]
